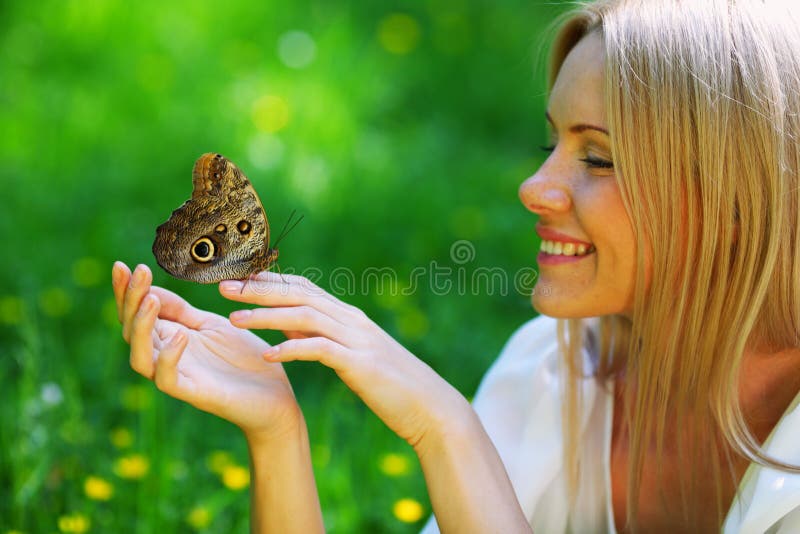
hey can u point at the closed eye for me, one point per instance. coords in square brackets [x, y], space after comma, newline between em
[595, 163]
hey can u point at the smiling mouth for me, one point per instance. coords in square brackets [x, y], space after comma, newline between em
[558, 248]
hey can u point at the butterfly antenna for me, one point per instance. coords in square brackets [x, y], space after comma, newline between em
[287, 228]
[278, 267]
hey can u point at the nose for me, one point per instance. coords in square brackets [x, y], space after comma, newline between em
[543, 193]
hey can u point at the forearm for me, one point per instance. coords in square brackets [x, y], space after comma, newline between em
[284, 495]
[467, 482]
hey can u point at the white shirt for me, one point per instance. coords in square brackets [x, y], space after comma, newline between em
[519, 404]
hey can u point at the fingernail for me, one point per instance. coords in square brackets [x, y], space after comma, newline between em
[270, 352]
[115, 274]
[178, 338]
[138, 276]
[148, 304]
[230, 286]
[241, 315]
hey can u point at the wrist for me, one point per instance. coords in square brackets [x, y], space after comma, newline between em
[452, 422]
[290, 426]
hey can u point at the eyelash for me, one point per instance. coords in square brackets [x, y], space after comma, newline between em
[596, 163]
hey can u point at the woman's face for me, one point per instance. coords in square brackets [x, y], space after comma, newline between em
[587, 263]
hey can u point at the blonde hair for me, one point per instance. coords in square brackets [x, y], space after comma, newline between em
[703, 103]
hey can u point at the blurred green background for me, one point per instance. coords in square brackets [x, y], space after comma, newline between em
[397, 128]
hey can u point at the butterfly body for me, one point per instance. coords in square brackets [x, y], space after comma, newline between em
[221, 232]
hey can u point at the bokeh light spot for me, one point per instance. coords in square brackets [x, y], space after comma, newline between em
[265, 151]
[296, 49]
[98, 489]
[270, 113]
[55, 302]
[394, 465]
[218, 461]
[12, 310]
[133, 466]
[121, 438]
[236, 477]
[51, 394]
[87, 272]
[408, 510]
[74, 523]
[398, 33]
[310, 178]
[199, 517]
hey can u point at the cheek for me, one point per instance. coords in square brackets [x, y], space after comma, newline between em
[603, 216]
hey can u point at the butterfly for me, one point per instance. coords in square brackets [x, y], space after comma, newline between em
[221, 232]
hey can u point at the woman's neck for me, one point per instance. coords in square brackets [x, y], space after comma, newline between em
[769, 381]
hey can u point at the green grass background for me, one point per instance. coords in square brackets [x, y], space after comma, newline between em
[404, 135]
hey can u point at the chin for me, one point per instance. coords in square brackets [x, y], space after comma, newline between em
[550, 305]
[559, 307]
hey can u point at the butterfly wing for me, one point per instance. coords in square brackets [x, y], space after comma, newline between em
[221, 232]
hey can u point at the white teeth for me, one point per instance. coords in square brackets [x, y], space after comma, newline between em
[558, 248]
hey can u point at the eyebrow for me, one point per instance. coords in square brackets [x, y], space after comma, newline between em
[577, 128]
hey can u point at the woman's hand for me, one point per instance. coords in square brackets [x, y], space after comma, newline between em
[200, 358]
[401, 389]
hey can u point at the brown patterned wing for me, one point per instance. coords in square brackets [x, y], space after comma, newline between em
[221, 232]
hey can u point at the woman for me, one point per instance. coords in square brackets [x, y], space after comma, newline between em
[659, 390]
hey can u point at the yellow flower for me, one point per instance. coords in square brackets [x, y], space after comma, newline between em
[235, 477]
[395, 465]
[217, 461]
[134, 466]
[98, 489]
[121, 438]
[408, 510]
[198, 517]
[74, 524]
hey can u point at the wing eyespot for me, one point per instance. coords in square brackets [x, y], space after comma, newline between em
[203, 250]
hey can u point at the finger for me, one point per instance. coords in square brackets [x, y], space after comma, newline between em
[138, 287]
[271, 293]
[294, 334]
[175, 308]
[297, 282]
[166, 367]
[320, 349]
[142, 337]
[305, 319]
[120, 278]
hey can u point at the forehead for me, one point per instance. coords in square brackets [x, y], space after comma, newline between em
[577, 94]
